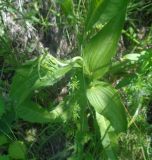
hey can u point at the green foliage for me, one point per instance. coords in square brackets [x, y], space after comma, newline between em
[99, 50]
[103, 11]
[106, 133]
[2, 107]
[91, 109]
[47, 70]
[6, 157]
[105, 101]
[3, 140]
[32, 112]
[17, 150]
[67, 6]
[42, 72]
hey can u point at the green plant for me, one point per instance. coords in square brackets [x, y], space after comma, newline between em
[138, 90]
[17, 150]
[90, 98]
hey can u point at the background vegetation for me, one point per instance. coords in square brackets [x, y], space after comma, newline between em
[30, 33]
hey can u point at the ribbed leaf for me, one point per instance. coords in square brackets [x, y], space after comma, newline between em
[107, 137]
[94, 12]
[36, 74]
[104, 127]
[102, 47]
[106, 101]
[103, 10]
[32, 112]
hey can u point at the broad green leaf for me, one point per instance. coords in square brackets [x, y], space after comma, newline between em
[94, 12]
[67, 6]
[32, 112]
[102, 47]
[106, 101]
[4, 157]
[36, 74]
[2, 108]
[17, 150]
[3, 139]
[103, 10]
[104, 127]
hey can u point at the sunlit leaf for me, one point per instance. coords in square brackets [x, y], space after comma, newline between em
[41, 72]
[33, 112]
[105, 100]
[132, 57]
[103, 11]
[102, 47]
[105, 131]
